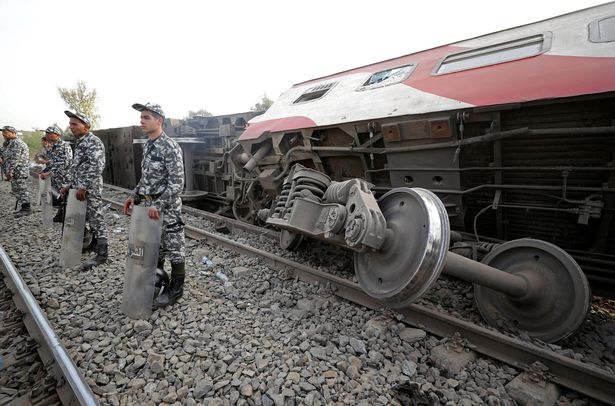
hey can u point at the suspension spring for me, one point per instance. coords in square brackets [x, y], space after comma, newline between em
[299, 187]
[278, 212]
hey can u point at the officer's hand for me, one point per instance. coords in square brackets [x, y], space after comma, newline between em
[81, 194]
[153, 213]
[9, 176]
[64, 192]
[128, 204]
[43, 175]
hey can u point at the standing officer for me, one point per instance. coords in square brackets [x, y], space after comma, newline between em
[85, 175]
[160, 186]
[59, 158]
[16, 168]
[43, 155]
[2, 164]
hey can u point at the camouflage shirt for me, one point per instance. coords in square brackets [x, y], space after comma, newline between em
[17, 158]
[88, 164]
[60, 156]
[162, 171]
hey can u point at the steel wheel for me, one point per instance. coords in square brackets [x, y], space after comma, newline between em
[413, 253]
[558, 298]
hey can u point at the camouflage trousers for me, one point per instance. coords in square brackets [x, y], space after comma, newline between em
[173, 238]
[19, 187]
[94, 216]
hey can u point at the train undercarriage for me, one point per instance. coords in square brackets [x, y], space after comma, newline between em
[516, 199]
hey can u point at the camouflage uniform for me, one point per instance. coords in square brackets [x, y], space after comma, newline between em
[86, 173]
[42, 155]
[2, 164]
[60, 156]
[17, 158]
[160, 186]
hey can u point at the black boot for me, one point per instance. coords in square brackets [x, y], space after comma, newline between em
[59, 217]
[176, 287]
[101, 254]
[91, 247]
[25, 210]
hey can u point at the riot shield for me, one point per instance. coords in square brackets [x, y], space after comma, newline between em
[72, 233]
[41, 192]
[46, 202]
[141, 260]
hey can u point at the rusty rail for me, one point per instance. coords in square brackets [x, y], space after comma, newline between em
[71, 389]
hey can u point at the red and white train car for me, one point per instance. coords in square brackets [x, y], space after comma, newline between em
[514, 131]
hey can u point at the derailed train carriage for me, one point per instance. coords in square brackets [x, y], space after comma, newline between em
[491, 159]
[205, 143]
[513, 131]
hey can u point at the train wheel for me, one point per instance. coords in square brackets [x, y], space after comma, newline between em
[558, 298]
[413, 254]
[290, 241]
[244, 210]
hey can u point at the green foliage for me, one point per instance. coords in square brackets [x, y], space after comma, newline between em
[83, 100]
[262, 105]
[33, 140]
[198, 113]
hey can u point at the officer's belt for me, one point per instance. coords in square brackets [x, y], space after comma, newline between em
[148, 198]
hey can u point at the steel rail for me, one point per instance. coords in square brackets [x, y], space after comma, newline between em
[231, 224]
[72, 388]
[583, 378]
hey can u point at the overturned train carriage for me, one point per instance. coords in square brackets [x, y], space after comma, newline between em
[513, 131]
[205, 142]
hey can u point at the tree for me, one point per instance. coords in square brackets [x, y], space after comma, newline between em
[83, 100]
[199, 113]
[263, 104]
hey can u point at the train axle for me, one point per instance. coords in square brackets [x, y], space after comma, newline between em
[401, 245]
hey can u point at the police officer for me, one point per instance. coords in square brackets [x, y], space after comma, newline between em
[2, 164]
[159, 189]
[59, 158]
[85, 175]
[16, 168]
[43, 155]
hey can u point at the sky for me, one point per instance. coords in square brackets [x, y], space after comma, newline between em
[221, 56]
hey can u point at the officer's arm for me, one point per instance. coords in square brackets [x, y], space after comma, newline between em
[71, 171]
[175, 185]
[93, 167]
[11, 156]
[51, 166]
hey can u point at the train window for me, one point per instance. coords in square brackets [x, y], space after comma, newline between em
[388, 77]
[315, 92]
[602, 30]
[494, 54]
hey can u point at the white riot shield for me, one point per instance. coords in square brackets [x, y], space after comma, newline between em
[41, 192]
[72, 233]
[141, 260]
[46, 202]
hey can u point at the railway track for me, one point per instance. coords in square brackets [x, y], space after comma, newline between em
[583, 378]
[567, 372]
[61, 381]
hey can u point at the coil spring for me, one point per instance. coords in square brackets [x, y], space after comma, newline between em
[297, 188]
[281, 204]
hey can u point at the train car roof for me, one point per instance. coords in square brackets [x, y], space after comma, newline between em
[346, 71]
[568, 55]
